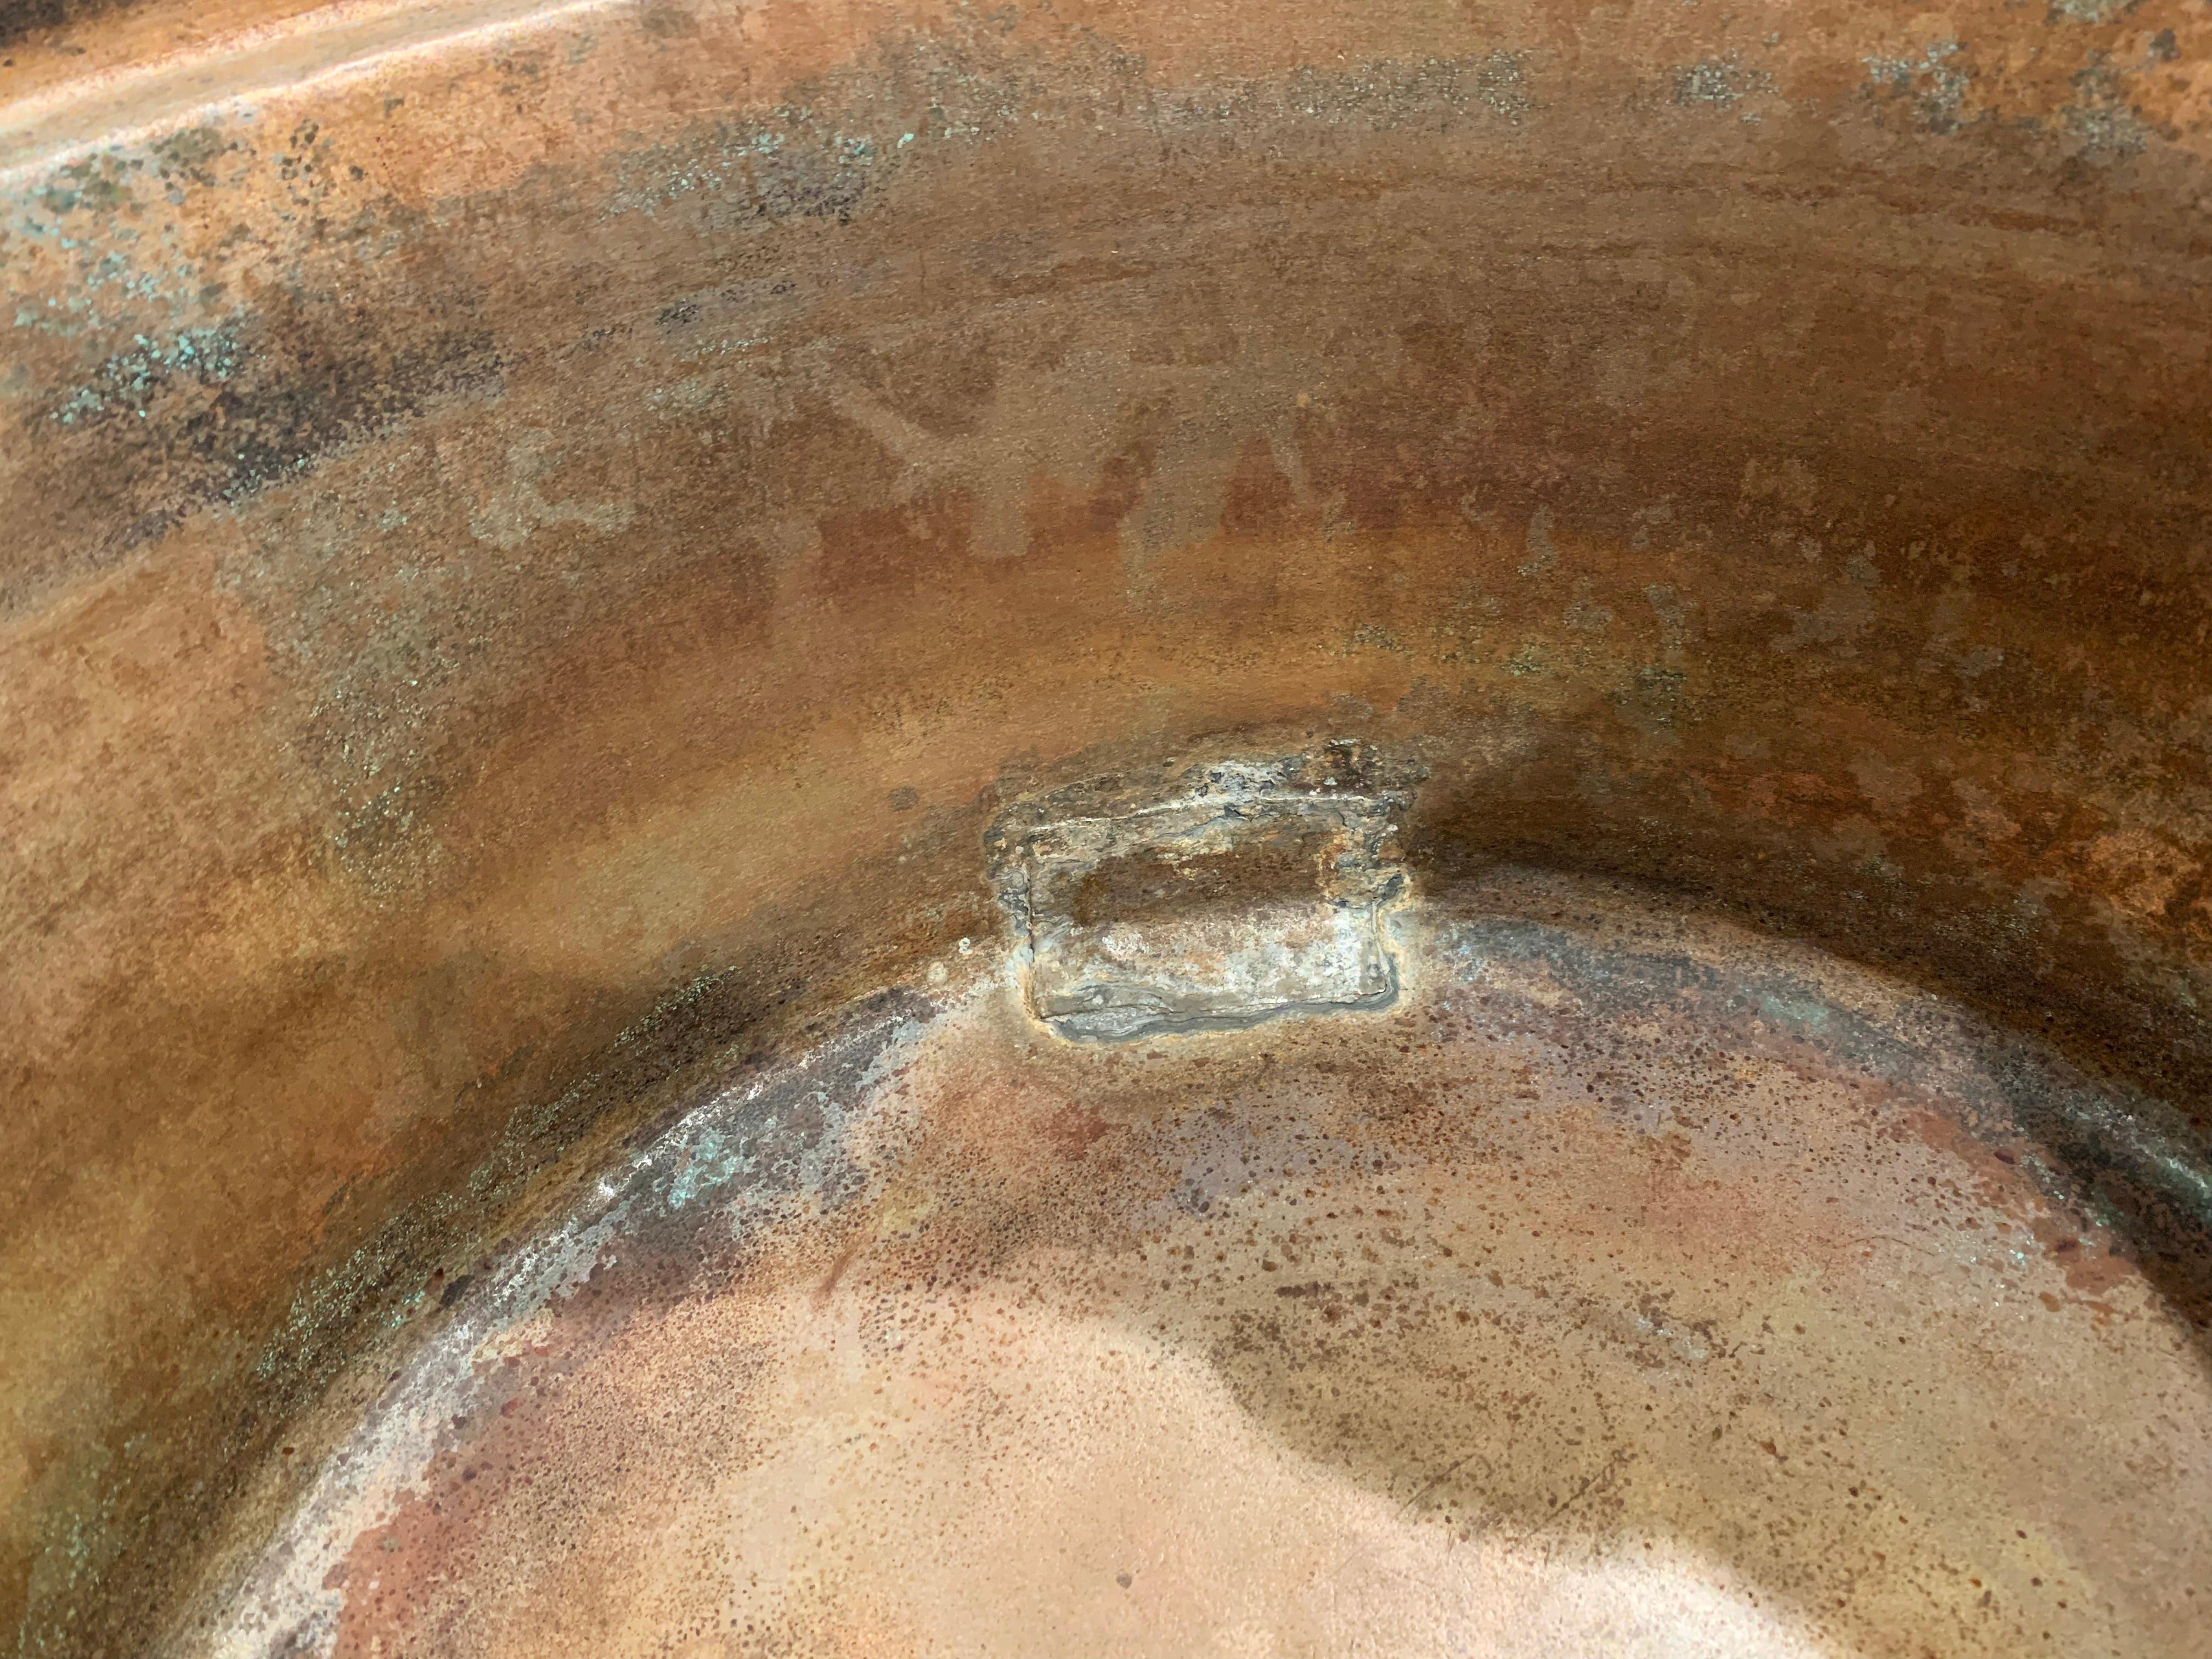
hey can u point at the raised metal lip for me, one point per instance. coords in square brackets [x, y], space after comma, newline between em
[113, 106]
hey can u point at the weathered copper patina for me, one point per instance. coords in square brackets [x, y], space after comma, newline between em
[535, 540]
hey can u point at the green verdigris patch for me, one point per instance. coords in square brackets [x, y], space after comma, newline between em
[129, 382]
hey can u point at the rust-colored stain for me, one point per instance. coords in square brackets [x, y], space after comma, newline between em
[536, 538]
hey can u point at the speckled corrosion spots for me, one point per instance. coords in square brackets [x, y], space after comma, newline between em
[1635, 1286]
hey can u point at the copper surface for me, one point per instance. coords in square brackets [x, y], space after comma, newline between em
[537, 540]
